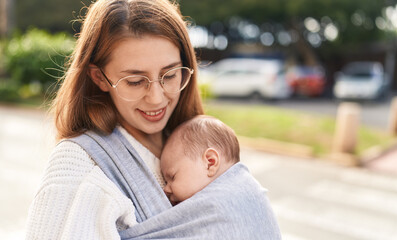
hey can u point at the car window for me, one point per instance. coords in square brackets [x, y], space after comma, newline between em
[359, 74]
[362, 70]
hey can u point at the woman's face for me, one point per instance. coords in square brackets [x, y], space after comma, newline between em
[149, 56]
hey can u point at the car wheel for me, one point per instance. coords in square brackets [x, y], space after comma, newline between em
[256, 96]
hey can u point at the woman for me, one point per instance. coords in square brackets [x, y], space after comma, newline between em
[133, 70]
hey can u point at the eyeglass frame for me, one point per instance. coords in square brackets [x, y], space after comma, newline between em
[160, 80]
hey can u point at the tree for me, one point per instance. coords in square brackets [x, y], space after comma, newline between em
[52, 15]
[352, 21]
[318, 31]
[364, 12]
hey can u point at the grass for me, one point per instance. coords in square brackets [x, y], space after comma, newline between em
[292, 126]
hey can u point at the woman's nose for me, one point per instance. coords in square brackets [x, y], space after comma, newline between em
[155, 94]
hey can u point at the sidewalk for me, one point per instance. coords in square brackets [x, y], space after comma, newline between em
[25, 144]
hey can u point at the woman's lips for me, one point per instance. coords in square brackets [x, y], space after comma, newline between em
[153, 116]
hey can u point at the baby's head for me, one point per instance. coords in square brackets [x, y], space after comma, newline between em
[196, 153]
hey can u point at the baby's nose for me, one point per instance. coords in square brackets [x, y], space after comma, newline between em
[167, 189]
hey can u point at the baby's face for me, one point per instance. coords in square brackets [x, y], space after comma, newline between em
[184, 176]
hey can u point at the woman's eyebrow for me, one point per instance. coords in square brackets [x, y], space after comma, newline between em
[133, 72]
[140, 72]
[172, 65]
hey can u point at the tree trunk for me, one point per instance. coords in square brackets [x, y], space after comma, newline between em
[305, 50]
[7, 17]
[390, 63]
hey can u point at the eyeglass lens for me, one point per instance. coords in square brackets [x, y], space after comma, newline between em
[135, 87]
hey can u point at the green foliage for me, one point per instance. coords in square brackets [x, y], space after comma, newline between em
[52, 15]
[8, 91]
[11, 93]
[35, 60]
[273, 15]
[205, 91]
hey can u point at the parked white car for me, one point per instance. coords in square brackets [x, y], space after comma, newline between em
[244, 77]
[361, 80]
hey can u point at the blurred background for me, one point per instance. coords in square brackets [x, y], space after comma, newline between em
[312, 80]
[272, 57]
[314, 39]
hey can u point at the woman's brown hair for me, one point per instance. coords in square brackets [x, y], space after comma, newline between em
[80, 105]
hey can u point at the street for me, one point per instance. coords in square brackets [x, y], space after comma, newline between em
[312, 199]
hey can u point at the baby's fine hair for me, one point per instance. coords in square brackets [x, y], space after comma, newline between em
[203, 132]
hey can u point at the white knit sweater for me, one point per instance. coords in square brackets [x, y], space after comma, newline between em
[77, 201]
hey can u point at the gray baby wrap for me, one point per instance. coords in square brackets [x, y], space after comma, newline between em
[233, 206]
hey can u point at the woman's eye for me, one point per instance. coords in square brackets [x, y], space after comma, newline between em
[169, 77]
[135, 83]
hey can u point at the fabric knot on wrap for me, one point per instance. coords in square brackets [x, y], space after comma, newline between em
[233, 206]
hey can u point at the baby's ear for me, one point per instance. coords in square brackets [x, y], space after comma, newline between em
[97, 77]
[212, 160]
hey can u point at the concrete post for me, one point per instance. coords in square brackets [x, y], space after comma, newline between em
[392, 125]
[346, 133]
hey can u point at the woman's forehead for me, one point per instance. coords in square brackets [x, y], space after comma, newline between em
[144, 53]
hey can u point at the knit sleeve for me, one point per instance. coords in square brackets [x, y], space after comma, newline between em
[77, 201]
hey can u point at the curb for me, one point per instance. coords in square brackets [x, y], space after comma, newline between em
[377, 152]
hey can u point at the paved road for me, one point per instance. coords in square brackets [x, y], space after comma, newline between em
[312, 199]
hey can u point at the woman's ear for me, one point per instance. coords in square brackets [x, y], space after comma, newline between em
[212, 161]
[97, 77]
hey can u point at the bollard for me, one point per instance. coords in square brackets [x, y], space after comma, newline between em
[392, 125]
[346, 132]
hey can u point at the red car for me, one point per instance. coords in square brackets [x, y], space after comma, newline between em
[306, 81]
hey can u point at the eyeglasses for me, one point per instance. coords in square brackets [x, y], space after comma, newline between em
[134, 87]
